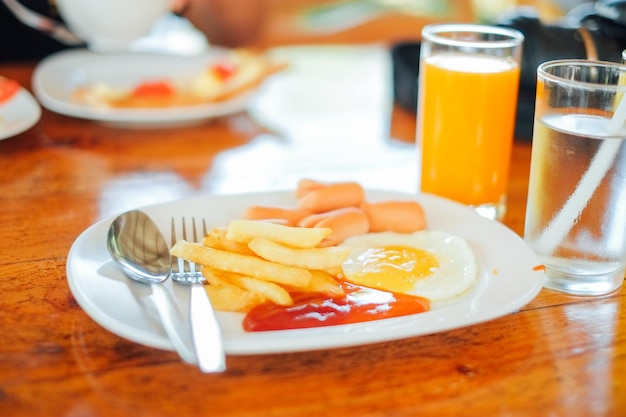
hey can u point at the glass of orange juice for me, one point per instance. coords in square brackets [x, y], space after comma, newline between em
[467, 96]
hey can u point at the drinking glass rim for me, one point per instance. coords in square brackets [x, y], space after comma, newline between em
[542, 72]
[433, 33]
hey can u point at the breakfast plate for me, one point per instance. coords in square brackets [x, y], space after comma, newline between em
[508, 280]
[58, 76]
[18, 114]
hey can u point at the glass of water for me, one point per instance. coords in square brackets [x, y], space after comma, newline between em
[576, 210]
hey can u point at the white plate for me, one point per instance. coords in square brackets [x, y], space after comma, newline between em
[507, 281]
[57, 76]
[18, 114]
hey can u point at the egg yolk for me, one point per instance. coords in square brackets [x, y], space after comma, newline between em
[393, 268]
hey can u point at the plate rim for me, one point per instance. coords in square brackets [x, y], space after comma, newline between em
[330, 337]
[22, 98]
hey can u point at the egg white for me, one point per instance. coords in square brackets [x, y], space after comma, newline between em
[456, 273]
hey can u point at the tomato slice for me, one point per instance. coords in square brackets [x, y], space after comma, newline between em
[223, 70]
[8, 88]
[155, 89]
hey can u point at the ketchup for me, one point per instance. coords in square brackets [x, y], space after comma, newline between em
[359, 304]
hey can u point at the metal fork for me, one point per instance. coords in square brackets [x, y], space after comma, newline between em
[205, 331]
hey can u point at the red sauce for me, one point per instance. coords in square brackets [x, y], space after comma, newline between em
[359, 304]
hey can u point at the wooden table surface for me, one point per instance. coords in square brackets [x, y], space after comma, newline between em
[329, 117]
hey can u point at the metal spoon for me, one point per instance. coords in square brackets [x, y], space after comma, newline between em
[138, 247]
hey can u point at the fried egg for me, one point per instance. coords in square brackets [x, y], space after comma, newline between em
[435, 265]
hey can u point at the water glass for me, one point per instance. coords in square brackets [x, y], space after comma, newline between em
[576, 210]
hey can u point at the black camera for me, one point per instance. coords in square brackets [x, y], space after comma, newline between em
[595, 31]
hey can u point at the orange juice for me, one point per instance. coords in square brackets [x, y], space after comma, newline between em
[465, 125]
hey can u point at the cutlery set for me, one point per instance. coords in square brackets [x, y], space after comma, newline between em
[140, 250]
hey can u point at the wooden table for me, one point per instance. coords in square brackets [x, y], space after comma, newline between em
[558, 356]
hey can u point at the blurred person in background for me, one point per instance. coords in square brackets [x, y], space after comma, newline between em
[228, 23]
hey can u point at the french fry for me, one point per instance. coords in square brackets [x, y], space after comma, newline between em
[233, 298]
[250, 262]
[216, 238]
[244, 231]
[215, 277]
[321, 282]
[309, 258]
[256, 290]
[228, 296]
[269, 290]
[335, 271]
[241, 264]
